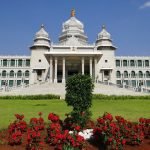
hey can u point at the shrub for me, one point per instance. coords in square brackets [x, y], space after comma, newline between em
[79, 92]
[79, 95]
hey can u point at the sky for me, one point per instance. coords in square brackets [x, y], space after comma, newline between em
[128, 21]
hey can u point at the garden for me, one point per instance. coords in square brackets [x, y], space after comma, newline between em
[79, 123]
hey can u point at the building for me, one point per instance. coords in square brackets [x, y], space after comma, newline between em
[73, 54]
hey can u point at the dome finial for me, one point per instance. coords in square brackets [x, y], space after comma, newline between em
[103, 26]
[73, 13]
[42, 26]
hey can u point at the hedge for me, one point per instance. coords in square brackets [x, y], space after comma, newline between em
[30, 97]
[121, 97]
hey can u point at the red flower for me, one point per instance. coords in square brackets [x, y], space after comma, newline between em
[77, 128]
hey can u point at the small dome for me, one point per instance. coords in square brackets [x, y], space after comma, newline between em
[104, 34]
[41, 38]
[42, 33]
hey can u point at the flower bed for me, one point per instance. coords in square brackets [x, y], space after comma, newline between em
[108, 133]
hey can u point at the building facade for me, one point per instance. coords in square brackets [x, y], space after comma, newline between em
[55, 62]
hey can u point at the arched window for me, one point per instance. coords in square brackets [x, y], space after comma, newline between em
[140, 74]
[125, 74]
[118, 74]
[26, 73]
[125, 63]
[147, 74]
[4, 73]
[11, 73]
[19, 73]
[132, 74]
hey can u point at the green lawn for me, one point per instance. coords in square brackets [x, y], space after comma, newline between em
[130, 109]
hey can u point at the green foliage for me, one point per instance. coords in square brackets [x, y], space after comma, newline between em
[31, 97]
[121, 97]
[79, 92]
[79, 95]
[81, 118]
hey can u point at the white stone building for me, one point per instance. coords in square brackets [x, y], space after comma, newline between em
[54, 63]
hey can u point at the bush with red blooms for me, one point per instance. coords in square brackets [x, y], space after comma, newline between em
[145, 125]
[62, 139]
[115, 134]
[16, 130]
[33, 133]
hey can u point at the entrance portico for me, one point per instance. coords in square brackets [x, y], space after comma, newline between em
[63, 66]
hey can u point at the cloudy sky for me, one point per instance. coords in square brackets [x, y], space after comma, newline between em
[128, 21]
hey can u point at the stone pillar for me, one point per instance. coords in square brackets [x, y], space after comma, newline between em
[91, 67]
[82, 65]
[51, 70]
[63, 70]
[95, 63]
[55, 78]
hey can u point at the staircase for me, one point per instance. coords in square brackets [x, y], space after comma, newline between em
[59, 89]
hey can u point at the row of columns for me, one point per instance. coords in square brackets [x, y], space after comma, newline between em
[64, 68]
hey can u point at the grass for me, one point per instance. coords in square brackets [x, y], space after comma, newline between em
[130, 109]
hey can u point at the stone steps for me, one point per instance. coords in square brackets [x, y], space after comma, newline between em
[59, 89]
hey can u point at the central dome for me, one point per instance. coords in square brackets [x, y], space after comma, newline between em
[73, 31]
[73, 22]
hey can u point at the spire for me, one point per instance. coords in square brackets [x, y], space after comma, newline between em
[73, 13]
[103, 26]
[42, 26]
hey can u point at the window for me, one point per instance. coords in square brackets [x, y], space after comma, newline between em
[18, 82]
[106, 73]
[11, 82]
[146, 63]
[11, 73]
[147, 74]
[133, 82]
[132, 74]
[27, 62]
[118, 74]
[20, 63]
[26, 82]
[139, 63]
[125, 74]
[140, 74]
[39, 60]
[12, 62]
[5, 63]
[132, 63]
[148, 83]
[4, 73]
[118, 82]
[118, 63]
[106, 61]
[26, 73]
[125, 63]
[19, 73]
